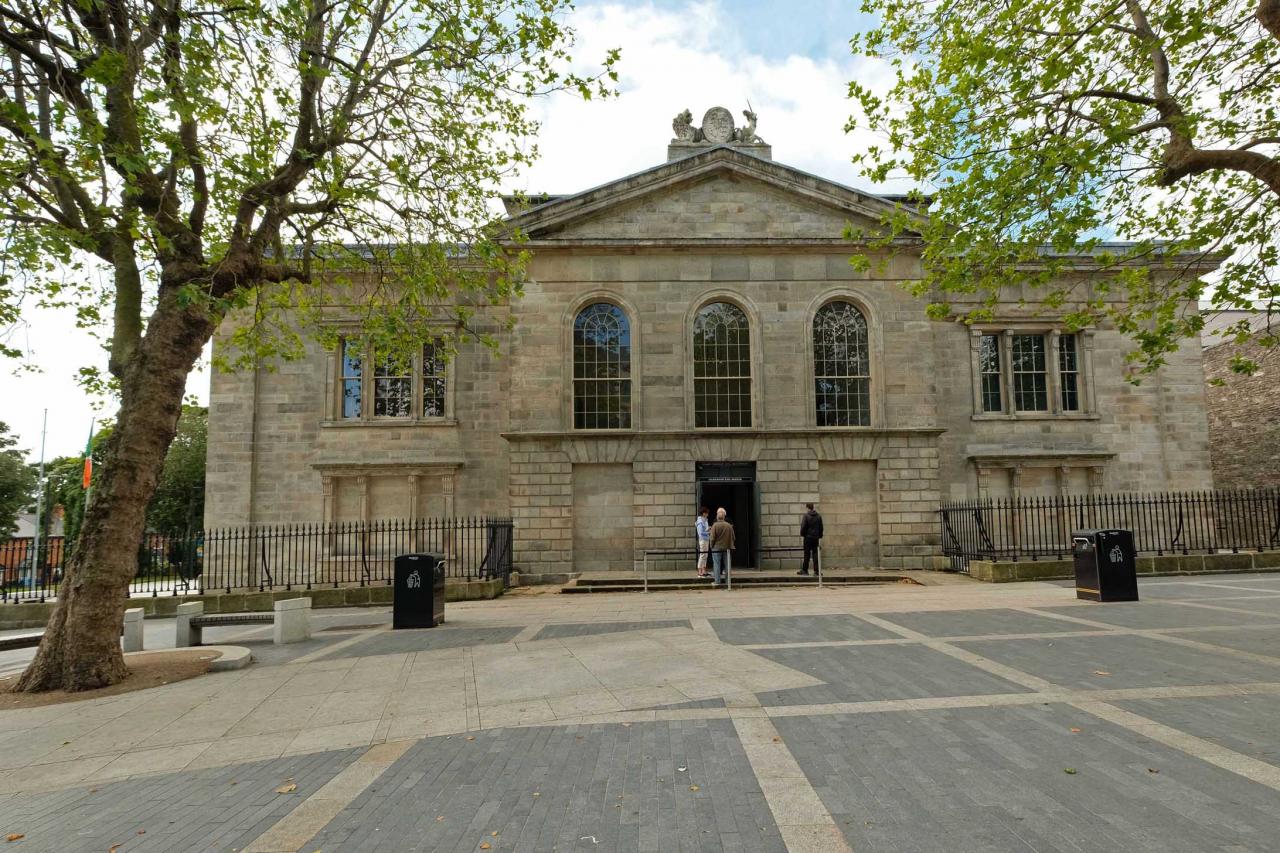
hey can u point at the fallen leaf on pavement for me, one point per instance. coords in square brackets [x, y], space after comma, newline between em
[1152, 770]
[288, 788]
[14, 836]
[441, 817]
[1100, 672]
[1070, 771]
[694, 788]
[777, 740]
[1074, 729]
[114, 848]
[471, 737]
[484, 845]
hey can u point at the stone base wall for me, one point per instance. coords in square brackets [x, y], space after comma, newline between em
[882, 481]
[1169, 564]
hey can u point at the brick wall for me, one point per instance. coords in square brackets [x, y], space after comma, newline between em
[1244, 417]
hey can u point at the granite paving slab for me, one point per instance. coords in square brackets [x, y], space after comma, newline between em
[797, 629]
[1121, 661]
[967, 623]
[584, 629]
[572, 788]
[424, 639]
[869, 673]
[1246, 724]
[1155, 614]
[222, 808]
[996, 779]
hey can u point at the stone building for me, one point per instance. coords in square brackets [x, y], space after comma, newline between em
[695, 334]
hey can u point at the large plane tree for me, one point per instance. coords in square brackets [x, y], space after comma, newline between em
[167, 163]
[1045, 128]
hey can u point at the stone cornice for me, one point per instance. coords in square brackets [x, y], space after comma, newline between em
[801, 432]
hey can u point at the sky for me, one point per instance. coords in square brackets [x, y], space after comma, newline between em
[790, 60]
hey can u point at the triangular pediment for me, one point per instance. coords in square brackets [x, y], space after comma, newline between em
[720, 194]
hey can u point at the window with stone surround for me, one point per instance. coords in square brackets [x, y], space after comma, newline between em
[376, 387]
[601, 368]
[1027, 372]
[721, 366]
[841, 366]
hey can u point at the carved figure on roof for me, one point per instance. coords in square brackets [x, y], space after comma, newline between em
[747, 135]
[682, 124]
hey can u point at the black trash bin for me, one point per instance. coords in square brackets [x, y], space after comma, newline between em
[1105, 565]
[418, 601]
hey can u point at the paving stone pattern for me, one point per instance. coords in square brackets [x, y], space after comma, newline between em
[1121, 661]
[598, 788]
[797, 629]
[585, 629]
[221, 808]
[969, 623]
[1156, 614]
[1246, 724]
[995, 780]
[442, 637]
[867, 673]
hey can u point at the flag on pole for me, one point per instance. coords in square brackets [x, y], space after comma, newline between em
[88, 460]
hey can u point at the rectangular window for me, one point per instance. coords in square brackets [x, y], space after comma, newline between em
[1030, 377]
[433, 382]
[1069, 373]
[393, 388]
[989, 367]
[352, 378]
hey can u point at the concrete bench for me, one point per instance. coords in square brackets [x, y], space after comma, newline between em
[131, 635]
[291, 620]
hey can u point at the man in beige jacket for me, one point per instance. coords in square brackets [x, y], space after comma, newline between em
[721, 545]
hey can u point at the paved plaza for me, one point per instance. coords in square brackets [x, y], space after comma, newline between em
[950, 717]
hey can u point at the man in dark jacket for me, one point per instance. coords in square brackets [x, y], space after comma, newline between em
[811, 533]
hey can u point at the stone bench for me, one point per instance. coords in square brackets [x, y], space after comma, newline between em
[291, 620]
[131, 635]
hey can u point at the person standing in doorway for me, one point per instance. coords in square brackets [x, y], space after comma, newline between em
[703, 528]
[811, 534]
[721, 545]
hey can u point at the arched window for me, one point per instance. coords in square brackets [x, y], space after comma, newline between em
[841, 366]
[601, 368]
[721, 367]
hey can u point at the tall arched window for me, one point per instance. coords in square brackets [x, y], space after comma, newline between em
[841, 366]
[721, 367]
[601, 368]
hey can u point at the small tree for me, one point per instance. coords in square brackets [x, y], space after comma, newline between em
[1039, 127]
[215, 156]
[17, 482]
[177, 508]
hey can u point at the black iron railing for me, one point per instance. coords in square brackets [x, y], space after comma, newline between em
[1032, 528]
[271, 557]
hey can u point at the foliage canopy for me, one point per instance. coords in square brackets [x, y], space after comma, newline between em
[1046, 128]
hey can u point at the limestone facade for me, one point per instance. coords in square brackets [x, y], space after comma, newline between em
[719, 225]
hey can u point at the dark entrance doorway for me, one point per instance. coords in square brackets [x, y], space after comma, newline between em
[732, 485]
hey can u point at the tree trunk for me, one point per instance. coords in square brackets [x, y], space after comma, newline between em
[81, 645]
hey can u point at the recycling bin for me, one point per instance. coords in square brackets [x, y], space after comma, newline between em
[1105, 565]
[418, 597]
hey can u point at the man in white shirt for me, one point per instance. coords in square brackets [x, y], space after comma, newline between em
[703, 527]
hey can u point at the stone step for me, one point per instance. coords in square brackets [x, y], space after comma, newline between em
[633, 583]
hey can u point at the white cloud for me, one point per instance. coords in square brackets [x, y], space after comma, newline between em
[692, 58]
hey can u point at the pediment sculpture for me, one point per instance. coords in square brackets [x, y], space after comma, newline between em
[717, 128]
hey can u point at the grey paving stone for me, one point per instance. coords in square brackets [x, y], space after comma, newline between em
[222, 808]
[1127, 660]
[599, 787]
[1264, 604]
[962, 623]
[425, 639]
[993, 779]
[1192, 590]
[797, 629]
[1261, 641]
[715, 702]
[1246, 724]
[1155, 614]
[584, 629]
[864, 673]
